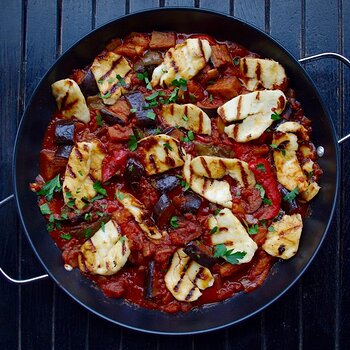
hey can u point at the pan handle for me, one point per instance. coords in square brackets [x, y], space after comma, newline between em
[338, 57]
[2, 272]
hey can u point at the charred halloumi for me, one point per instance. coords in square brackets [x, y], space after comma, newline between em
[106, 252]
[186, 278]
[187, 116]
[184, 60]
[262, 72]
[160, 153]
[84, 166]
[70, 100]
[254, 110]
[231, 233]
[139, 212]
[215, 191]
[283, 239]
[112, 74]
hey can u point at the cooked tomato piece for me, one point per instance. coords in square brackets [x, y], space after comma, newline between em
[162, 40]
[119, 133]
[113, 162]
[220, 55]
[226, 87]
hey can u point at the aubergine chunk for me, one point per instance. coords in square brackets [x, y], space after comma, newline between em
[111, 118]
[200, 255]
[88, 86]
[137, 103]
[133, 173]
[64, 133]
[188, 202]
[290, 206]
[149, 282]
[64, 151]
[163, 210]
[165, 183]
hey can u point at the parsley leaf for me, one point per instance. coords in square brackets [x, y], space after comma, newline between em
[271, 229]
[189, 137]
[253, 230]
[151, 115]
[275, 116]
[97, 187]
[99, 120]
[174, 222]
[274, 146]
[235, 61]
[213, 230]
[222, 252]
[45, 210]
[185, 118]
[167, 146]
[107, 95]
[51, 187]
[185, 185]
[103, 226]
[121, 81]
[291, 195]
[261, 167]
[132, 143]
[66, 236]
[87, 233]
[267, 201]
[180, 83]
[261, 190]
[234, 258]
[217, 211]
[120, 195]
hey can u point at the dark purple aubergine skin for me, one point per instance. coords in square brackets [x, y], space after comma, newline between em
[163, 210]
[288, 206]
[191, 203]
[64, 151]
[88, 86]
[165, 183]
[137, 103]
[200, 256]
[133, 173]
[111, 118]
[64, 133]
[149, 282]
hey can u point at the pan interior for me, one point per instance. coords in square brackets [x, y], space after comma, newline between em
[26, 162]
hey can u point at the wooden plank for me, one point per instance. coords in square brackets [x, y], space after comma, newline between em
[210, 341]
[212, 5]
[175, 343]
[36, 299]
[252, 12]
[344, 303]
[319, 302]
[138, 5]
[107, 10]
[179, 3]
[76, 21]
[132, 340]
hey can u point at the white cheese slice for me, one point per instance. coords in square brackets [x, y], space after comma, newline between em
[267, 73]
[255, 110]
[184, 60]
[283, 240]
[84, 165]
[70, 100]
[107, 68]
[185, 278]
[187, 116]
[232, 234]
[106, 252]
[160, 153]
[139, 212]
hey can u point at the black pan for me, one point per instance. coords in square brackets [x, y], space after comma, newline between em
[26, 161]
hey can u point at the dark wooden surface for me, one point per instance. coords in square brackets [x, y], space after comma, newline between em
[314, 314]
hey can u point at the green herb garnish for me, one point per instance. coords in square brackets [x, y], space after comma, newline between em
[167, 146]
[291, 195]
[261, 167]
[180, 83]
[50, 188]
[189, 137]
[174, 222]
[213, 230]
[261, 190]
[253, 230]
[98, 188]
[66, 236]
[99, 120]
[275, 116]
[45, 210]
[151, 115]
[132, 143]
[222, 252]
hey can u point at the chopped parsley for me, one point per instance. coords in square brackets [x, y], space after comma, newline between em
[107, 95]
[189, 137]
[88, 216]
[132, 143]
[222, 252]
[235, 61]
[213, 230]
[261, 167]
[185, 185]
[151, 115]
[253, 230]
[267, 201]
[121, 81]
[122, 239]
[210, 98]
[291, 195]
[173, 97]
[133, 110]
[154, 95]
[50, 188]
[144, 77]
[87, 233]
[275, 116]
[185, 118]
[120, 195]
[99, 189]
[180, 83]
[96, 198]
[271, 229]
[99, 120]
[45, 210]
[103, 226]
[274, 146]
[217, 211]
[167, 146]
[174, 222]
[261, 190]
[66, 236]
[100, 81]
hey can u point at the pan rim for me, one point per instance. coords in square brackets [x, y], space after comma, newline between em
[128, 17]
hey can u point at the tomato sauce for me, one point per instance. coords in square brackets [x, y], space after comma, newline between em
[70, 227]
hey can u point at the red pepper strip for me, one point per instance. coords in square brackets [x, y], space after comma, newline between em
[113, 162]
[263, 175]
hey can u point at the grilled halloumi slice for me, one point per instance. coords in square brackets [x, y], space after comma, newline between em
[184, 60]
[283, 240]
[187, 116]
[139, 212]
[84, 166]
[185, 278]
[232, 233]
[289, 171]
[268, 73]
[106, 252]
[111, 72]
[311, 191]
[217, 167]
[160, 153]
[255, 110]
[70, 100]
